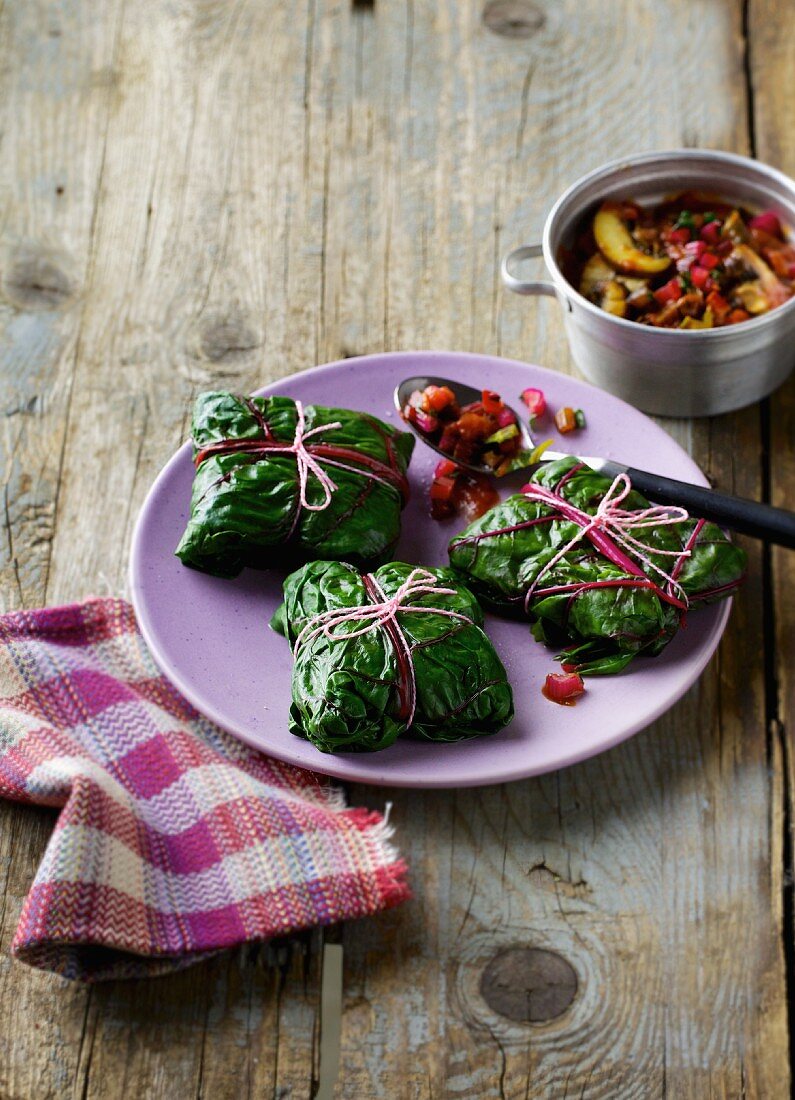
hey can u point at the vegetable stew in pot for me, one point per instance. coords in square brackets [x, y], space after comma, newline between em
[691, 262]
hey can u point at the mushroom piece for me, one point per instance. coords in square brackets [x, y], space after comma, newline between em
[767, 283]
[595, 274]
[599, 284]
[614, 299]
[735, 228]
[752, 296]
[615, 242]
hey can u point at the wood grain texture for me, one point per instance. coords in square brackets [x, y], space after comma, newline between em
[220, 192]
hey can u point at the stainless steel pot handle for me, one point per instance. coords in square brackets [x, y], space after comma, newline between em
[518, 286]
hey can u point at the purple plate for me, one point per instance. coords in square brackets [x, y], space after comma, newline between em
[211, 637]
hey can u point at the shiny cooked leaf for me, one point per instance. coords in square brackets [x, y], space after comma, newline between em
[349, 692]
[601, 627]
[244, 505]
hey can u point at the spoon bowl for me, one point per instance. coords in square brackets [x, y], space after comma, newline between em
[465, 395]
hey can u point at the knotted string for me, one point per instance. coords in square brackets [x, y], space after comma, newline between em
[307, 464]
[608, 529]
[383, 614]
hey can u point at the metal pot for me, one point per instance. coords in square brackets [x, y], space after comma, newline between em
[671, 372]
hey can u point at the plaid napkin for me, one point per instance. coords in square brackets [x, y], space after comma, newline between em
[174, 840]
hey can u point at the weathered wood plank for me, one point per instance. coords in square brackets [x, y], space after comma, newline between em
[771, 58]
[282, 186]
[55, 106]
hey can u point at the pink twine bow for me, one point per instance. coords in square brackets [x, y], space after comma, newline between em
[307, 464]
[384, 614]
[611, 522]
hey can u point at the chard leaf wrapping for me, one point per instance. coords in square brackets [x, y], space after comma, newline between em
[603, 616]
[246, 499]
[350, 694]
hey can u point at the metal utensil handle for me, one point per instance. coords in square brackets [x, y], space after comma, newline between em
[519, 286]
[762, 521]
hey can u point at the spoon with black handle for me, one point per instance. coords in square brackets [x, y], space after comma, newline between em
[761, 521]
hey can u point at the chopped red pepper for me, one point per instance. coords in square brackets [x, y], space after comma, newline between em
[709, 260]
[492, 402]
[444, 467]
[700, 276]
[563, 687]
[669, 292]
[442, 488]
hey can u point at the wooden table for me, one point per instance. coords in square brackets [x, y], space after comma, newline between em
[205, 193]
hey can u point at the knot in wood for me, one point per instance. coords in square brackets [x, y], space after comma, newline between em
[36, 279]
[226, 338]
[514, 18]
[528, 984]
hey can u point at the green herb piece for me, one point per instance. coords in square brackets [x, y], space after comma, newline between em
[685, 220]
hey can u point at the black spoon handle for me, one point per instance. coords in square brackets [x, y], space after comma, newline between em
[762, 521]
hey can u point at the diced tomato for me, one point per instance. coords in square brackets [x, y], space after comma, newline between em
[669, 292]
[561, 687]
[505, 417]
[442, 488]
[565, 420]
[736, 316]
[444, 467]
[768, 222]
[700, 276]
[535, 401]
[492, 402]
[439, 397]
[711, 232]
[679, 236]
[568, 667]
[708, 260]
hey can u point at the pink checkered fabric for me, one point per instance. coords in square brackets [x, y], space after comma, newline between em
[174, 840]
